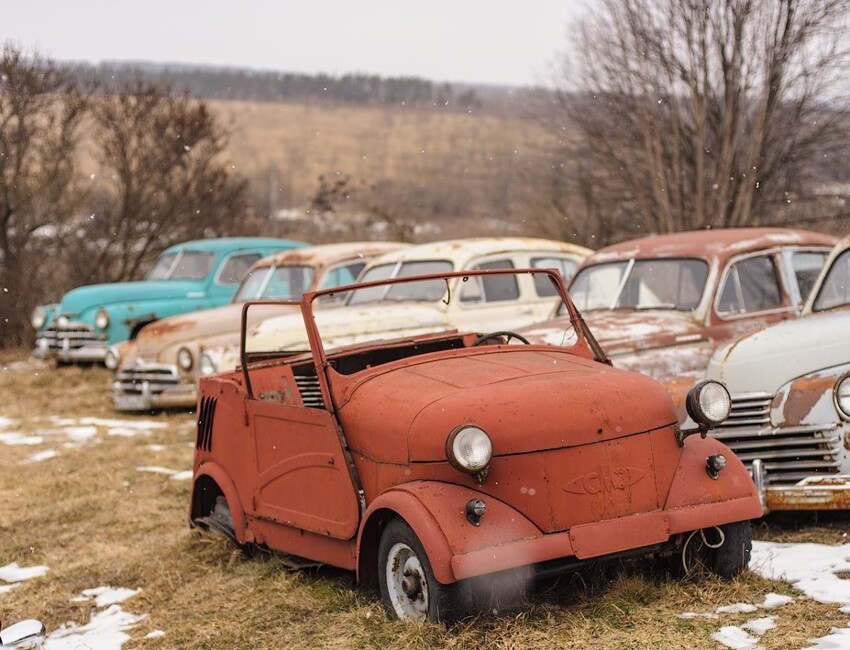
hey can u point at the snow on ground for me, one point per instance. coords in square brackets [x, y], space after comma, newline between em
[47, 454]
[15, 573]
[104, 596]
[16, 438]
[173, 474]
[106, 630]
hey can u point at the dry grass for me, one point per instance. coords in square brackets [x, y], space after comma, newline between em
[95, 520]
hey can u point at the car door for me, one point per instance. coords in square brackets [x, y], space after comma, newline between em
[752, 294]
[302, 477]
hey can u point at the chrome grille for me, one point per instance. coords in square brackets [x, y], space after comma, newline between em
[158, 376]
[311, 392]
[71, 337]
[789, 453]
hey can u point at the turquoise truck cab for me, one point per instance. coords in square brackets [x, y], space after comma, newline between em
[187, 277]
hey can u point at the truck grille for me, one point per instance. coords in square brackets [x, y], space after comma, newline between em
[789, 454]
[158, 376]
[71, 337]
[311, 392]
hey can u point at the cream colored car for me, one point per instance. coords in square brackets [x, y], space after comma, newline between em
[159, 369]
[428, 306]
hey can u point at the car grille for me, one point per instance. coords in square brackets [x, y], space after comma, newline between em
[790, 453]
[311, 392]
[71, 337]
[158, 377]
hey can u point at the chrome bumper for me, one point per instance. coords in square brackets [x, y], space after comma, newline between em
[810, 493]
[150, 386]
[76, 344]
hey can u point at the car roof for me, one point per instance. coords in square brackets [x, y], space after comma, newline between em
[325, 254]
[459, 251]
[718, 243]
[234, 243]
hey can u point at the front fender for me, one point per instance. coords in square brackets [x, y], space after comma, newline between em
[696, 500]
[808, 399]
[437, 514]
[228, 489]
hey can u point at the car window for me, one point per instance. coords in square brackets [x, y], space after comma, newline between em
[425, 291]
[252, 286]
[751, 285]
[236, 267]
[835, 290]
[595, 287]
[288, 282]
[494, 288]
[807, 266]
[542, 284]
[345, 274]
[160, 269]
[192, 265]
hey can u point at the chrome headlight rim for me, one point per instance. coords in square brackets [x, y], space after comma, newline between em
[841, 395]
[101, 319]
[207, 365]
[113, 358]
[695, 404]
[38, 318]
[185, 359]
[453, 446]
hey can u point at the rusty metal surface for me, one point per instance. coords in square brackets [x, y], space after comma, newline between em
[308, 475]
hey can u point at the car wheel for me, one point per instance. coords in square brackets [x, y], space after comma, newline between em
[409, 590]
[722, 550]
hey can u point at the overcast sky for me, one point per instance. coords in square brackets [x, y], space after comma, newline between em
[489, 41]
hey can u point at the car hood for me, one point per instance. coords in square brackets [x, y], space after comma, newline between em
[526, 400]
[765, 360]
[346, 326]
[81, 299]
[624, 332]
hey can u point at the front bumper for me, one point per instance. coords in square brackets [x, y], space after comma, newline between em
[150, 386]
[810, 493]
[77, 343]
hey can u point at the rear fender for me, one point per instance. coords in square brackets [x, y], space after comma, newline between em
[437, 514]
[228, 488]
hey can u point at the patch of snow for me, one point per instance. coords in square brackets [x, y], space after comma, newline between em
[124, 432]
[104, 596]
[6, 423]
[155, 447]
[106, 630]
[737, 608]
[759, 626]
[16, 438]
[156, 634]
[734, 637]
[5, 589]
[79, 434]
[772, 601]
[47, 454]
[15, 573]
[182, 476]
[837, 639]
[157, 470]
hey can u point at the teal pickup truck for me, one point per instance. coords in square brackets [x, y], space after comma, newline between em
[187, 277]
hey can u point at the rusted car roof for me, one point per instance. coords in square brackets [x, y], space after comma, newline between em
[326, 254]
[460, 251]
[720, 243]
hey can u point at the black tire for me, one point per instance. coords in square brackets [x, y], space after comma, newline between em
[725, 553]
[436, 602]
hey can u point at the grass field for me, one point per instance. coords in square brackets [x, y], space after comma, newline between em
[96, 520]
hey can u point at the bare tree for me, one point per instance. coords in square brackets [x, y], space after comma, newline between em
[40, 113]
[162, 177]
[696, 113]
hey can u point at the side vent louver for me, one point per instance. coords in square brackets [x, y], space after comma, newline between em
[311, 392]
[206, 417]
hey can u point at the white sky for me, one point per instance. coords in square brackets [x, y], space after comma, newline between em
[487, 41]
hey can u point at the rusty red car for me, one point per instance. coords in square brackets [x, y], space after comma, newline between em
[661, 305]
[446, 466]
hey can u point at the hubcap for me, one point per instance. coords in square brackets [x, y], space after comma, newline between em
[406, 584]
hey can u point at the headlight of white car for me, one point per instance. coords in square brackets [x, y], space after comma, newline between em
[185, 359]
[38, 318]
[469, 449]
[842, 396]
[101, 319]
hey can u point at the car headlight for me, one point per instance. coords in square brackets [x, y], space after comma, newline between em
[112, 358]
[708, 403]
[101, 319]
[469, 449]
[63, 322]
[38, 318]
[185, 360]
[842, 396]
[207, 364]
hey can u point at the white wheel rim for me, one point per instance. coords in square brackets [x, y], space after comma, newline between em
[406, 584]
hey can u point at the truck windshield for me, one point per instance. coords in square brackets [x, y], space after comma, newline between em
[835, 290]
[425, 291]
[276, 283]
[640, 284]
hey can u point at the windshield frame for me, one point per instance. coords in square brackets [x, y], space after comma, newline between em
[821, 283]
[396, 269]
[630, 264]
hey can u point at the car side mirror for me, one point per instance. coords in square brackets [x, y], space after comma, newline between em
[23, 635]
